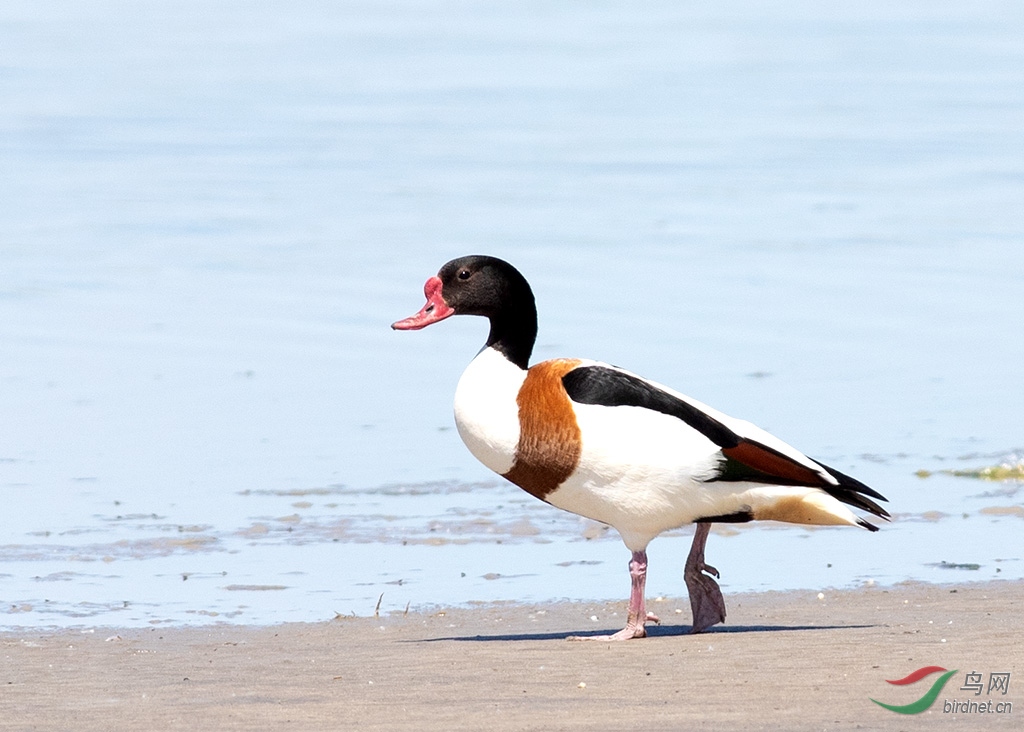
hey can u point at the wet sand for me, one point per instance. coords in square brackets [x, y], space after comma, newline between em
[790, 661]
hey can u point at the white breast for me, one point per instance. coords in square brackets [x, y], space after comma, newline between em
[486, 412]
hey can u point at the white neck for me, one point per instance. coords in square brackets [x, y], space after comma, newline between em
[486, 412]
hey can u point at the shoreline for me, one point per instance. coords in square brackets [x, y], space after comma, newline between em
[783, 660]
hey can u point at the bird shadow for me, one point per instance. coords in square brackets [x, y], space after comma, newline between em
[652, 632]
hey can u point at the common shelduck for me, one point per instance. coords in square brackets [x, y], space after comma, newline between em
[604, 443]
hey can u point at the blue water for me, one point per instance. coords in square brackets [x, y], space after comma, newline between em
[807, 215]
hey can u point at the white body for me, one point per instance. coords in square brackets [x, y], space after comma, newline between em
[640, 471]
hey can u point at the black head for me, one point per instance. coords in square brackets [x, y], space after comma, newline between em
[486, 286]
[481, 285]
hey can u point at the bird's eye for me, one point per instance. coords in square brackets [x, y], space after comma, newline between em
[463, 274]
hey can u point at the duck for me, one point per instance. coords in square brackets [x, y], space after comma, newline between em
[604, 443]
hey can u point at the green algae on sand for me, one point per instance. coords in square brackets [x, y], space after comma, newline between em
[1006, 471]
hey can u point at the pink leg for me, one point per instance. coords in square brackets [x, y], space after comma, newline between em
[706, 601]
[638, 615]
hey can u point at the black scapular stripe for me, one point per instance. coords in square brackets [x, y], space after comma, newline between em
[610, 388]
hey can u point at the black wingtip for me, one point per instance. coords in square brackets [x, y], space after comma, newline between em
[854, 493]
[847, 482]
[866, 525]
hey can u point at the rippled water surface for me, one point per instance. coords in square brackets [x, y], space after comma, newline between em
[808, 216]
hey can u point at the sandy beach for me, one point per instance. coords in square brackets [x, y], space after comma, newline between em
[792, 661]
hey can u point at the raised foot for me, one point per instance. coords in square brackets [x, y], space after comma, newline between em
[706, 601]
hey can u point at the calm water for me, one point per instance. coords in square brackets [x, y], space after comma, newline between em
[808, 216]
